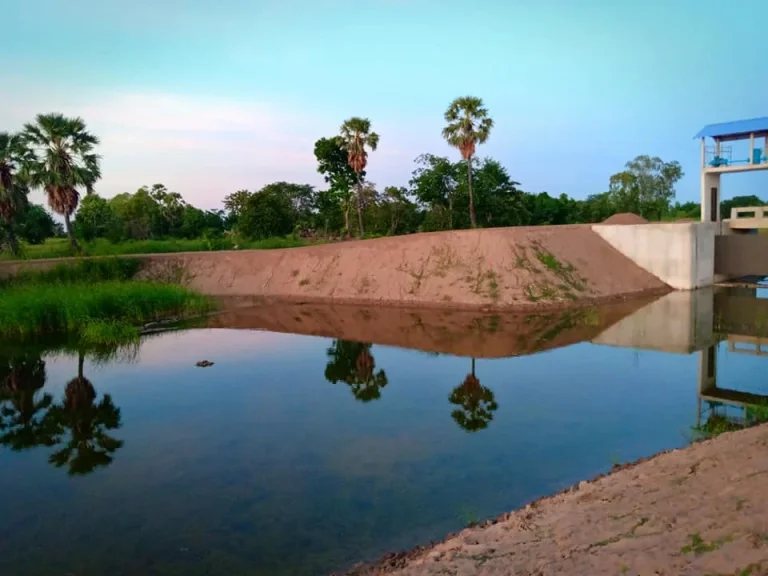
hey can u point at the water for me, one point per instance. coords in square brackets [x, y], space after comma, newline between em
[261, 464]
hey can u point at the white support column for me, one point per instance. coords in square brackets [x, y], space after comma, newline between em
[751, 148]
[765, 148]
[704, 153]
[717, 146]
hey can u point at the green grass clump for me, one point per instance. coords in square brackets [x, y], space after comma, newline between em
[87, 271]
[109, 333]
[60, 248]
[92, 310]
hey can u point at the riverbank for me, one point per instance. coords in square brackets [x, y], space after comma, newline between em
[698, 510]
[499, 268]
[95, 301]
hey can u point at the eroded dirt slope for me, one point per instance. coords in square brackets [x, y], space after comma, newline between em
[533, 266]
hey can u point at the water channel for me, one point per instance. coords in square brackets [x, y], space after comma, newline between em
[324, 436]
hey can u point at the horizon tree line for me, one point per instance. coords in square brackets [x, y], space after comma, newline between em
[58, 156]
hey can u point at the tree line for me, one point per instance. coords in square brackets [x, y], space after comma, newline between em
[58, 155]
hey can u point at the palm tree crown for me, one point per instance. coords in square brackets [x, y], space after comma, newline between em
[64, 161]
[468, 125]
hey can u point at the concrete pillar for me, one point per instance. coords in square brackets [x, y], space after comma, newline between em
[717, 146]
[704, 153]
[751, 147]
[710, 196]
[707, 374]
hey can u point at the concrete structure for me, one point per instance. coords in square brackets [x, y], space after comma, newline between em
[679, 322]
[679, 254]
[739, 255]
[717, 159]
[749, 219]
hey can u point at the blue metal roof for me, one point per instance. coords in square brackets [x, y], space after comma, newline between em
[734, 128]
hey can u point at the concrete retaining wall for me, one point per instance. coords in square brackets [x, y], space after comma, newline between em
[679, 254]
[738, 255]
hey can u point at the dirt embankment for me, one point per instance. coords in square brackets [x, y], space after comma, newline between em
[504, 267]
[430, 329]
[699, 510]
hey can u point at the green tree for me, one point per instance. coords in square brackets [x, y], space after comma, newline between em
[737, 202]
[36, 224]
[357, 138]
[138, 216]
[63, 162]
[267, 213]
[171, 209]
[468, 125]
[646, 186]
[496, 196]
[81, 425]
[476, 403]
[13, 186]
[23, 410]
[235, 204]
[353, 364]
[434, 182]
[333, 164]
[94, 218]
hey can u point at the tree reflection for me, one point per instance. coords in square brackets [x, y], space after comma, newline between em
[81, 425]
[477, 403]
[353, 364]
[23, 410]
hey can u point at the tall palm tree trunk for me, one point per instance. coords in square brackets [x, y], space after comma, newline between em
[472, 220]
[360, 204]
[70, 233]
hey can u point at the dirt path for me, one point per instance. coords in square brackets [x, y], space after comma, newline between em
[702, 510]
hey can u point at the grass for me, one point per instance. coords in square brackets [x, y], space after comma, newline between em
[93, 301]
[60, 248]
[82, 271]
[95, 310]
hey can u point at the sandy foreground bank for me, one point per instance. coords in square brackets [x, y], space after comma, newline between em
[702, 510]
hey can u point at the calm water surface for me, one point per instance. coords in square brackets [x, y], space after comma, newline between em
[300, 454]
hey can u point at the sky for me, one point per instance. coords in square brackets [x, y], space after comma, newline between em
[211, 97]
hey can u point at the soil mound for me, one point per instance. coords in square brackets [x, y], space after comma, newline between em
[625, 218]
[522, 267]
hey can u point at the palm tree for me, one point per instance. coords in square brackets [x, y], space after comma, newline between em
[477, 403]
[13, 184]
[468, 126]
[64, 162]
[356, 135]
[352, 363]
[23, 422]
[89, 446]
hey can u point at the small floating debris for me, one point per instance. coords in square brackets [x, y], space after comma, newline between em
[204, 364]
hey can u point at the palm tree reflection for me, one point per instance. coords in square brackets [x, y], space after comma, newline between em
[23, 411]
[85, 422]
[353, 364]
[477, 403]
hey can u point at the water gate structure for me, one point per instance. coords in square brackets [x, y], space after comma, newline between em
[693, 255]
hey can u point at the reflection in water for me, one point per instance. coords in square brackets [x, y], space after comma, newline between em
[77, 425]
[477, 403]
[223, 473]
[81, 425]
[353, 364]
[23, 409]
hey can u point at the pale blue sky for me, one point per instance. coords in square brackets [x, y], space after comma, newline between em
[208, 97]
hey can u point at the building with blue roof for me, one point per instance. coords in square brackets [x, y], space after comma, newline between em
[717, 158]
